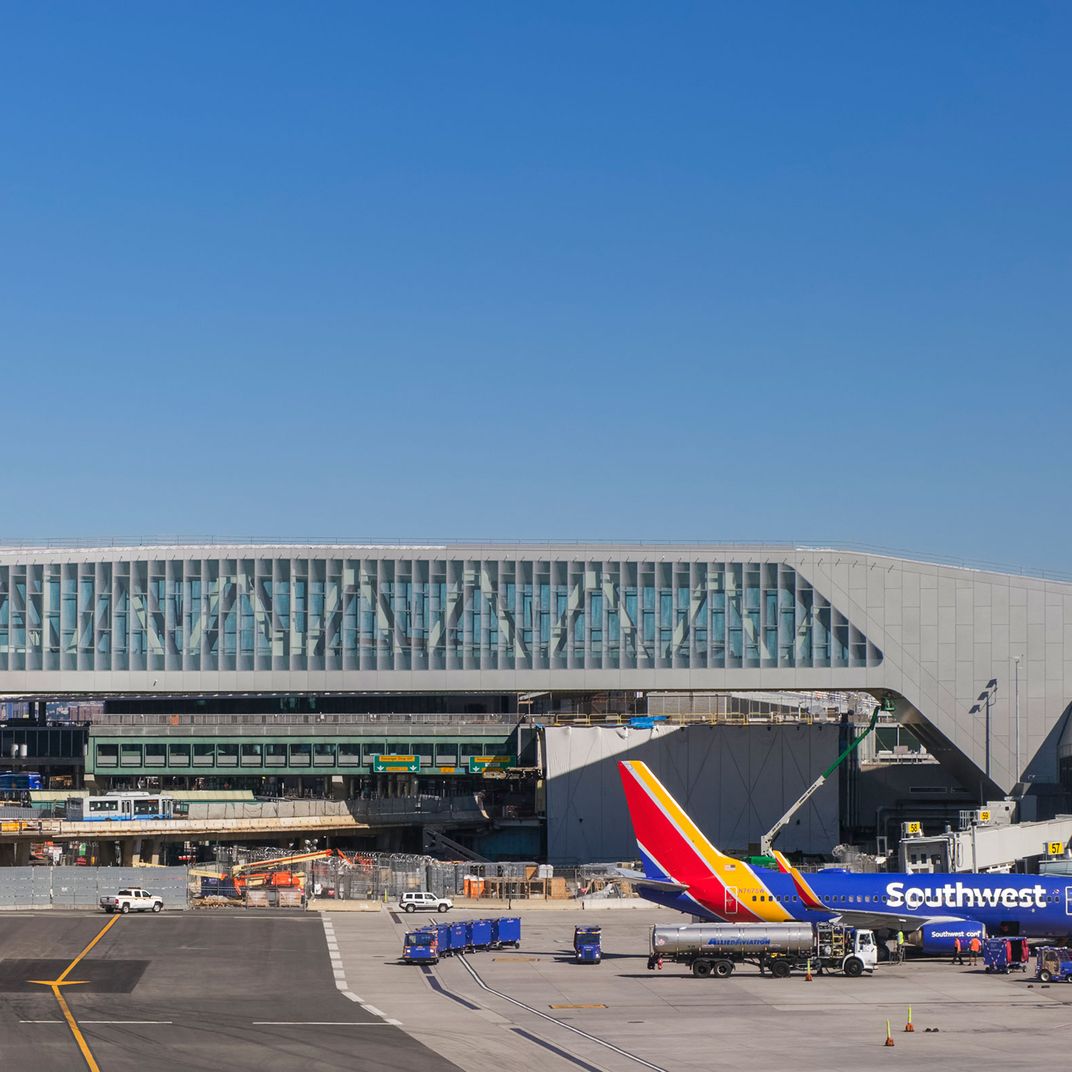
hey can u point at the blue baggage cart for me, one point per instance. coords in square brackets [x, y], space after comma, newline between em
[996, 956]
[459, 936]
[444, 934]
[421, 947]
[506, 930]
[479, 933]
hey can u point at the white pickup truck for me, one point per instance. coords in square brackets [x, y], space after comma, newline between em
[132, 899]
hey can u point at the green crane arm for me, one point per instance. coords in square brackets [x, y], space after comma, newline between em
[766, 842]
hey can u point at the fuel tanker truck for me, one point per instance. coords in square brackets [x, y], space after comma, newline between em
[776, 948]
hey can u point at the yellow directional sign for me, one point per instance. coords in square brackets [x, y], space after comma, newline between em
[984, 815]
[478, 764]
[1055, 848]
[387, 764]
[913, 828]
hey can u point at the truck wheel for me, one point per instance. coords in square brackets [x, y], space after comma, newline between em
[701, 968]
[157, 906]
[442, 908]
[854, 967]
[723, 968]
[1046, 976]
[410, 908]
[780, 969]
[124, 908]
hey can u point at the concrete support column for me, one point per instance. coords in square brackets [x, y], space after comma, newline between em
[129, 852]
[7, 854]
[156, 850]
[337, 787]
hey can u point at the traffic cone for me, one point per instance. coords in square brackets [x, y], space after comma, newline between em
[889, 1035]
[807, 971]
[908, 1026]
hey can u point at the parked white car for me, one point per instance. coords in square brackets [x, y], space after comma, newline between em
[429, 902]
[132, 899]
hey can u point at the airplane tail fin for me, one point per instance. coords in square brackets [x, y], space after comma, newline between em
[672, 848]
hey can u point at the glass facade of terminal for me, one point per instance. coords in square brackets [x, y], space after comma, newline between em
[407, 612]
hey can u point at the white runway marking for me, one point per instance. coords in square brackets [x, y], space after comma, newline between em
[340, 975]
[317, 1023]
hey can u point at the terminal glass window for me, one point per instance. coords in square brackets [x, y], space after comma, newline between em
[323, 754]
[130, 755]
[252, 755]
[178, 755]
[419, 613]
[275, 755]
[204, 755]
[372, 749]
[349, 754]
[301, 754]
[107, 755]
[227, 754]
[155, 754]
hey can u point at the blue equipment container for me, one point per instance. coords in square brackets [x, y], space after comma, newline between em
[421, 947]
[444, 933]
[479, 933]
[218, 887]
[506, 930]
[459, 936]
[587, 944]
[1003, 955]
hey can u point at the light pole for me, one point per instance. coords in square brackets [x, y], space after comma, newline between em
[986, 697]
[1016, 715]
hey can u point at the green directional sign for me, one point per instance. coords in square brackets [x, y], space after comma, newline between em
[479, 764]
[385, 764]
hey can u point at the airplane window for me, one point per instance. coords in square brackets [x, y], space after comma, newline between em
[794, 896]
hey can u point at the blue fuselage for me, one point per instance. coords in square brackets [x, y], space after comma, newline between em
[1036, 906]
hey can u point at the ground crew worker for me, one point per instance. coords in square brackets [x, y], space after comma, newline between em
[900, 946]
[958, 952]
[974, 946]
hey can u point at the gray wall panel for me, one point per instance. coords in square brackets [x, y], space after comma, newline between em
[734, 781]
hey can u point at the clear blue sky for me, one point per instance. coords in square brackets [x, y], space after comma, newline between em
[676, 271]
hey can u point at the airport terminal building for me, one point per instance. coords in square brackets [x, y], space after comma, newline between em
[977, 662]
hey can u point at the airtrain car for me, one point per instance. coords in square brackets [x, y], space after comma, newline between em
[125, 807]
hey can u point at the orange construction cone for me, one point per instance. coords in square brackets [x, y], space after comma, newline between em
[908, 1026]
[807, 971]
[889, 1035]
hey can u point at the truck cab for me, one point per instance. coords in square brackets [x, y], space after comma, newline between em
[587, 944]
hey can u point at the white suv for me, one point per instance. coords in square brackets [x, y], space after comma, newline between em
[410, 902]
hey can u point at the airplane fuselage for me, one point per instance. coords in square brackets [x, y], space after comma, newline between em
[1035, 906]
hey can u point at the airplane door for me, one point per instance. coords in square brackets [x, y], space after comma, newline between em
[731, 900]
[1068, 900]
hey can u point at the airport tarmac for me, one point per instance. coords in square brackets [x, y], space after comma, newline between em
[183, 993]
[268, 991]
[537, 1008]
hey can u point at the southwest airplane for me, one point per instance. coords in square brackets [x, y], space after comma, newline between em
[684, 871]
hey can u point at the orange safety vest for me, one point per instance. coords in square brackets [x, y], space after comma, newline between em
[976, 945]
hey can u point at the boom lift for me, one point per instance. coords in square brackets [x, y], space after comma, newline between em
[766, 842]
[276, 871]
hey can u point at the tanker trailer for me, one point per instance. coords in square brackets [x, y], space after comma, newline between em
[775, 948]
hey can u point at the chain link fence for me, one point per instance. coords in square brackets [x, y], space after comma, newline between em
[83, 887]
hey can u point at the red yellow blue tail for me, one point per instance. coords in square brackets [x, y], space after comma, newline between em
[675, 851]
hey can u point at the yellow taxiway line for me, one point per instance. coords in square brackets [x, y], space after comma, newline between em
[55, 984]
